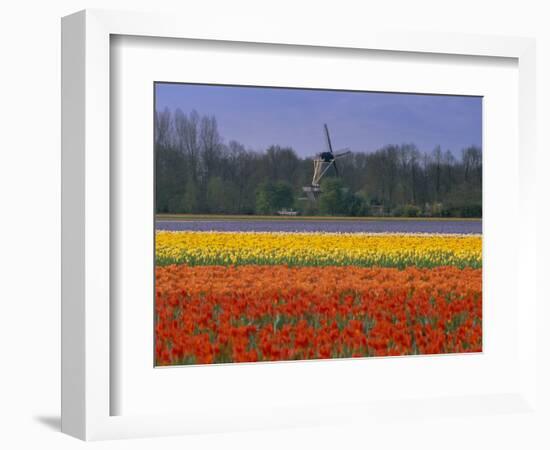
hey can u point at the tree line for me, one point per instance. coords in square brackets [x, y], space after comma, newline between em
[197, 172]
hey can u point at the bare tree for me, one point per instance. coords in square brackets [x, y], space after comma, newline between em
[437, 159]
[471, 159]
[210, 145]
[187, 139]
[163, 128]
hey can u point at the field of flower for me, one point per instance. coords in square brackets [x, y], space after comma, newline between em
[318, 249]
[243, 297]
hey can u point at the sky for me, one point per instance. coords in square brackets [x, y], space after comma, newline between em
[258, 117]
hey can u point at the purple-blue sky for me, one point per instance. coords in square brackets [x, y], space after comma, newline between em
[363, 121]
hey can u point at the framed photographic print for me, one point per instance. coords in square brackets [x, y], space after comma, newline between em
[259, 227]
[273, 252]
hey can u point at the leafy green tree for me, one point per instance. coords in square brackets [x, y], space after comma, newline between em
[264, 195]
[271, 197]
[283, 195]
[190, 202]
[217, 197]
[331, 200]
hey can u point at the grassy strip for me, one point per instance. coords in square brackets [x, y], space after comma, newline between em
[377, 261]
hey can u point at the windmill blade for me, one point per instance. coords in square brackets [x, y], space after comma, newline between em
[328, 139]
[335, 167]
[342, 152]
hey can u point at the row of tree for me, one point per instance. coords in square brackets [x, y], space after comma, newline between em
[197, 172]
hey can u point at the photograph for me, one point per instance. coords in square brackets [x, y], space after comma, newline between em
[298, 223]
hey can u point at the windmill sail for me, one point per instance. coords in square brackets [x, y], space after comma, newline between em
[328, 139]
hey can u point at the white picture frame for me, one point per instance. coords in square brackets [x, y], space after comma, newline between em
[87, 386]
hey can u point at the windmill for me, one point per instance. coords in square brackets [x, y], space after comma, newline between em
[321, 164]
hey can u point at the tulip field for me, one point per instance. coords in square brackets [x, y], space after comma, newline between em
[228, 297]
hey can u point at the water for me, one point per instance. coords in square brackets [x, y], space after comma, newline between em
[333, 225]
